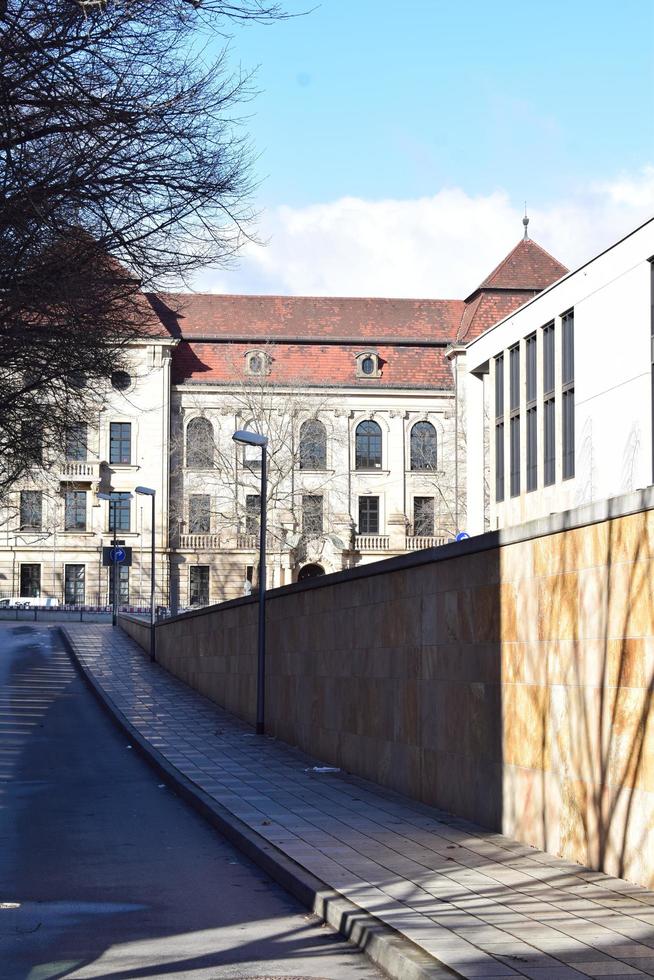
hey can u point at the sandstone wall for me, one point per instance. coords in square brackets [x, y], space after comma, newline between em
[508, 679]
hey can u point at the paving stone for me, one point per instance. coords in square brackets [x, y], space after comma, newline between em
[484, 905]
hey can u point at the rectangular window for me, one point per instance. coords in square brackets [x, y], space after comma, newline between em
[199, 585]
[119, 512]
[199, 513]
[75, 512]
[123, 584]
[74, 576]
[514, 378]
[31, 510]
[499, 462]
[120, 442]
[499, 427]
[30, 581]
[549, 407]
[568, 379]
[76, 442]
[423, 516]
[514, 449]
[549, 438]
[532, 413]
[252, 513]
[368, 515]
[514, 422]
[312, 515]
[548, 359]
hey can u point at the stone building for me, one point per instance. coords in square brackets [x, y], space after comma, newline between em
[361, 400]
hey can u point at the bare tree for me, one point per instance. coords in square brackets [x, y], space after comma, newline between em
[121, 167]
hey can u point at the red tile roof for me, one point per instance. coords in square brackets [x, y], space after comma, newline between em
[314, 339]
[297, 364]
[527, 266]
[203, 315]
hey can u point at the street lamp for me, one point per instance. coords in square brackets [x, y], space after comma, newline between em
[114, 598]
[149, 492]
[254, 439]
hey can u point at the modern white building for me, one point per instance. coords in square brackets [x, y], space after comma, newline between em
[559, 393]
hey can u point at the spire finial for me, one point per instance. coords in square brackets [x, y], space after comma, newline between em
[525, 222]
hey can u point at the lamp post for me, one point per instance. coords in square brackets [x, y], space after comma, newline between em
[149, 492]
[254, 439]
[114, 598]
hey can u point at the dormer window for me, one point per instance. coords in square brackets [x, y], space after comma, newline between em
[368, 364]
[257, 362]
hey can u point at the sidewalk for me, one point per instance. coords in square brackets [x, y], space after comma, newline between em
[427, 895]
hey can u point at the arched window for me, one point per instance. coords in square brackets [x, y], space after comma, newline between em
[313, 445]
[423, 446]
[199, 444]
[368, 451]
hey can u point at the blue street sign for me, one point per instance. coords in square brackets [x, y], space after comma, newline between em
[462, 536]
[117, 554]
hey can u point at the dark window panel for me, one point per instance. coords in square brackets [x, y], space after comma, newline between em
[76, 442]
[368, 515]
[199, 585]
[75, 511]
[368, 446]
[120, 442]
[548, 358]
[199, 513]
[120, 512]
[531, 367]
[532, 449]
[499, 386]
[499, 462]
[514, 464]
[123, 584]
[30, 581]
[514, 378]
[199, 444]
[568, 367]
[423, 516]
[31, 510]
[313, 445]
[549, 438]
[568, 433]
[312, 515]
[74, 585]
[423, 446]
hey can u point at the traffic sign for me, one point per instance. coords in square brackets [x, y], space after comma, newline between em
[118, 556]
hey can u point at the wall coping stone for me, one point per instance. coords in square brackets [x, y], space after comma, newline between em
[638, 501]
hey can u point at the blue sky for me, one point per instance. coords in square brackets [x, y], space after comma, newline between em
[425, 100]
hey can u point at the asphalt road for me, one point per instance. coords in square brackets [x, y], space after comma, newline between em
[106, 873]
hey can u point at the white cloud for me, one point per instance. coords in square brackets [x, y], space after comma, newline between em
[440, 246]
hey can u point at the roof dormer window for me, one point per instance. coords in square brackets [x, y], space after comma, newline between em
[257, 363]
[368, 364]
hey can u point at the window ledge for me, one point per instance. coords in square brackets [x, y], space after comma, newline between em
[371, 472]
[125, 467]
[321, 472]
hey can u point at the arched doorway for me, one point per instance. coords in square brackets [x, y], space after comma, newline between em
[310, 571]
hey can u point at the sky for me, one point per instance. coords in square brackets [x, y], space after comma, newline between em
[397, 142]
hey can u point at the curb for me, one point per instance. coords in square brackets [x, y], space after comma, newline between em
[388, 949]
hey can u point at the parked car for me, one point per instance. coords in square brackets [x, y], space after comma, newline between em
[29, 602]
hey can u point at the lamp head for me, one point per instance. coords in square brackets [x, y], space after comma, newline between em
[146, 491]
[250, 438]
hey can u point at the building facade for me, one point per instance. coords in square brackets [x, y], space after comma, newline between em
[559, 393]
[362, 401]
